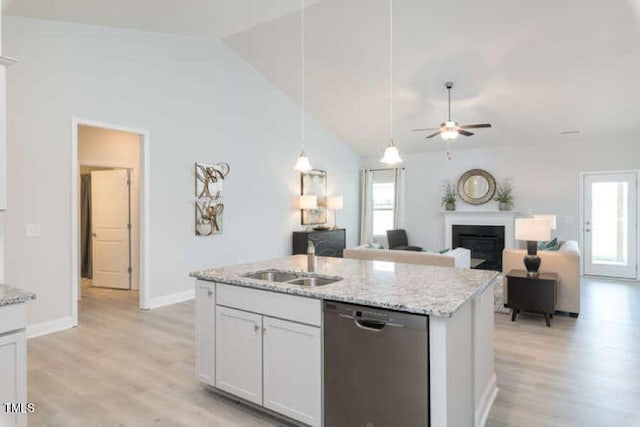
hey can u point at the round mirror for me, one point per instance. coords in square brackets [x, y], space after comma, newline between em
[476, 186]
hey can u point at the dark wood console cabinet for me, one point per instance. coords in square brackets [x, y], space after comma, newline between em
[327, 242]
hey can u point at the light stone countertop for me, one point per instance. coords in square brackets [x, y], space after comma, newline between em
[420, 289]
[10, 295]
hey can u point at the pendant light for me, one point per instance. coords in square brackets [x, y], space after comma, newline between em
[391, 155]
[302, 164]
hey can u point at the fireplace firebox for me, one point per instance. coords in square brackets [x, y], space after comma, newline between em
[485, 242]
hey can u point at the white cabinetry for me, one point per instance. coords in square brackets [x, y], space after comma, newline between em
[4, 63]
[268, 348]
[205, 331]
[292, 374]
[13, 364]
[239, 353]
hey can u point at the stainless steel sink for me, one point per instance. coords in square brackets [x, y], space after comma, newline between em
[313, 281]
[300, 279]
[273, 275]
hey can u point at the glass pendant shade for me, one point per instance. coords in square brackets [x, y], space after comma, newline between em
[303, 164]
[391, 155]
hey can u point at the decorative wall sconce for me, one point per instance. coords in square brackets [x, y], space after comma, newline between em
[208, 192]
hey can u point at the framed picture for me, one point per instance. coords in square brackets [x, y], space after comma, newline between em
[314, 183]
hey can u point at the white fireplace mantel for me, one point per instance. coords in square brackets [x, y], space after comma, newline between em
[482, 217]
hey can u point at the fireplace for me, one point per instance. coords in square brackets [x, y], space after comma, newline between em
[485, 242]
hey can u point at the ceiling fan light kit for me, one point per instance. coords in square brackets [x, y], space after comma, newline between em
[450, 129]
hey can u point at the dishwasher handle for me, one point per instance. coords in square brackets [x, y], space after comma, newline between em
[369, 325]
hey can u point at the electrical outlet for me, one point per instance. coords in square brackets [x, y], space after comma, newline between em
[32, 230]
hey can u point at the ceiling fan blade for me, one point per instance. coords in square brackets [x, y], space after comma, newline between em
[432, 135]
[483, 125]
[418, 130]
[464, 132]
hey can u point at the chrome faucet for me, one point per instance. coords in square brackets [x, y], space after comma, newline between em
[311, 257]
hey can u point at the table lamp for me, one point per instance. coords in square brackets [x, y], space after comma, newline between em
[533, 230]
[335, 203]
[307, 203]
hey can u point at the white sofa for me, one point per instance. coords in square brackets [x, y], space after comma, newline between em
[565, 262]
[458, 258]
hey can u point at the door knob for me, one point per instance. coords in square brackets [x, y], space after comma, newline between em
[94, 234]
[587, 229]
[256, 328]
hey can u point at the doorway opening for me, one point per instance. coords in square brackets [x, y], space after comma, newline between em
[610, 224]
[110, 170]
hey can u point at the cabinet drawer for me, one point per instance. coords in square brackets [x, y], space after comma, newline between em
[12, 317]
[274, 304]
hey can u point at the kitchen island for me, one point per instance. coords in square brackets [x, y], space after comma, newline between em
[262, 340]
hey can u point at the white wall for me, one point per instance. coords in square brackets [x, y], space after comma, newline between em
[200, 102]
[99, 146]
[545, 177]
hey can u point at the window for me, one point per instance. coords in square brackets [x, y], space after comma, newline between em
[383, 196]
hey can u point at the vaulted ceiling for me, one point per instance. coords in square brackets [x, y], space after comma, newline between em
[203, 18]
[531, 68]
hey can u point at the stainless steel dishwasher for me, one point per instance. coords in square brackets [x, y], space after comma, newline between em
[376, 367]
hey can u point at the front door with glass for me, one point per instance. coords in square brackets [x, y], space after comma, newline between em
[610, 224]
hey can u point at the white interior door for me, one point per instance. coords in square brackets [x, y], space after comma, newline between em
[610, 224]
[110, 228]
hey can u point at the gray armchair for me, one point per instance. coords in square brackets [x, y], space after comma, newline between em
[398, 240]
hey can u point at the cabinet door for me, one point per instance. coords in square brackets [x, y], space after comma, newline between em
[13, 372]
[239, 353]
[205, 331]
[292, 370]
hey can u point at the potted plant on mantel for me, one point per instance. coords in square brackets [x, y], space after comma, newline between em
[504, 194]
[449, 196]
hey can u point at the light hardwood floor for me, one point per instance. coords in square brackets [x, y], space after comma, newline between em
[124, 366]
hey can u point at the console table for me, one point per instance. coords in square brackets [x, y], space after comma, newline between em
[327, 242]
[534, 294]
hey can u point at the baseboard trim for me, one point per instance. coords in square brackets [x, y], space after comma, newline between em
[486, 401]
[49, 327]
[171, 299]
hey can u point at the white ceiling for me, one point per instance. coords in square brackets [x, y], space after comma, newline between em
[531, 68]
[205, 18]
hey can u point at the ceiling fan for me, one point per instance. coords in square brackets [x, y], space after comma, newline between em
[450, 130]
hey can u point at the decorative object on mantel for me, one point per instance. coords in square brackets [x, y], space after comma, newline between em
[504, 195]
[314, 183]
[532, 230]
[391, 155]
[476, 186]
[302, 164]
[208, 193]
[335, 203]
[449, 196]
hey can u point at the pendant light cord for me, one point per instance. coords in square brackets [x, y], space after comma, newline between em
[302, 62]
[391, 71]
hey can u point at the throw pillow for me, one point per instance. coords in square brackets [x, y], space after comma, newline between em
[551, 245]
[374, 246]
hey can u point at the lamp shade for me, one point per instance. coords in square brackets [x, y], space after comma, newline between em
[533, 229]
[335, 202]
[308, 202]
[550, 218]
